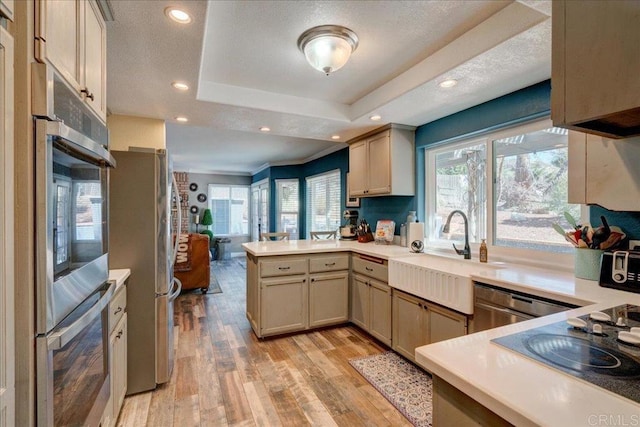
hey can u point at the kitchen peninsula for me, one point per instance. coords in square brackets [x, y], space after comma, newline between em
[472, 373]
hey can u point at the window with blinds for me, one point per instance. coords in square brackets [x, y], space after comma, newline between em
[230, 209]
[323, 202]
[288, 207]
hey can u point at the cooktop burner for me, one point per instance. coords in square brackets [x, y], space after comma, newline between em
[590, 351]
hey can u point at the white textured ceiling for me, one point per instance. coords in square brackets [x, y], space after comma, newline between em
[245, 71]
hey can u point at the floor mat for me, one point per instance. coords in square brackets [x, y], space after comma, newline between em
[407, 387]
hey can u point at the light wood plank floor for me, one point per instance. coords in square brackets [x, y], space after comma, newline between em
[223, 375]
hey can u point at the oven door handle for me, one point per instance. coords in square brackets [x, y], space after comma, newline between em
[60, 338]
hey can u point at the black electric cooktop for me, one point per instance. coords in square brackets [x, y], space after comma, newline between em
[599, 358]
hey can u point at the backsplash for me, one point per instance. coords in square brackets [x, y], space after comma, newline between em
[629, 222]
[395, 208]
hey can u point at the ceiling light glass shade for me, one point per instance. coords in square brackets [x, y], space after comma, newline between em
[328, 47]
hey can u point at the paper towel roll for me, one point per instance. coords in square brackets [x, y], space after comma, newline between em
[415, 231]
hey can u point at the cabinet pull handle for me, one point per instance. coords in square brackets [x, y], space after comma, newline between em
[119, 334]
[284, 268]
[368, 269]
[313, 280]
[329, 264]
[118, 310]
[87, 94]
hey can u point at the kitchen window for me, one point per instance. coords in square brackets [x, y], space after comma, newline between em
[323, 201]
[512, 185]
[288, 207]
[229, 206]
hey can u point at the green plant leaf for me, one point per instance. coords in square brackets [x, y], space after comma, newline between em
[570, 219]
[559, 229]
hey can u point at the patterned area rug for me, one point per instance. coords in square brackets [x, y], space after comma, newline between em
[407, 387]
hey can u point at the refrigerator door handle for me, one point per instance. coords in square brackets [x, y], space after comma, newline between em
[174, 189]
[174, 294]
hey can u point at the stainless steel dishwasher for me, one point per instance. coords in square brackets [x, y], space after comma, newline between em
[495, 307]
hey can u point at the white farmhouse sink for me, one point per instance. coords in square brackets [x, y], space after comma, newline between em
[441, 279]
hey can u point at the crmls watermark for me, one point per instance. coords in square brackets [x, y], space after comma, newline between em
[614, 420]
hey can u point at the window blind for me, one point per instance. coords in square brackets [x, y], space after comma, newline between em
[323, 201]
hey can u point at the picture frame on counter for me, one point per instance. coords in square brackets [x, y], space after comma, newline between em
[351, 202]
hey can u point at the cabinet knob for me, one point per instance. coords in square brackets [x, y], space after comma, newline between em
[87, 94]
[313, 280]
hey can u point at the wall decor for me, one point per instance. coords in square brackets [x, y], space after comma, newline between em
[194, 209]
[193, 186]
[202, 197]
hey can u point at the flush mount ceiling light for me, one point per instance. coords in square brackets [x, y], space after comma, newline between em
[182, 119]
[328, 47]
[178, 15]
[335, 136]
[375, 117]
[448, 83]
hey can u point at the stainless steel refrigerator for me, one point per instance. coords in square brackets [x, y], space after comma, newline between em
[140, 195]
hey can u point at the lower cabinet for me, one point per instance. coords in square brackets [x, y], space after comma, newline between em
[371, 307]
[283, 304]
[410, 324]
[328, 299]
[293, 293]
[417, 322]
[119, 366]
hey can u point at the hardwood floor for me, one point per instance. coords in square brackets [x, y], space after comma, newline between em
[223, 375]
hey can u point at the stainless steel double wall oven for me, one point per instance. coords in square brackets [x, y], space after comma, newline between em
[72, 291]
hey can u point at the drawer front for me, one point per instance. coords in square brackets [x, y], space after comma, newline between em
[371, 269]
[283, 267]
[329, 263]
[117, 307]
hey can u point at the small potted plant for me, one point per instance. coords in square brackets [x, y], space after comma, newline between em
[207, 220]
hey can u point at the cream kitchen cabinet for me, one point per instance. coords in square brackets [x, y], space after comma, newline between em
[7, 205]
[371, 297]
[293, 293]
[410, 324]
[6, 9]
[604, 171]
[118, 355]
[382, 163]
[328, 290]
[595, 61]
[417, 322]
[71, 36]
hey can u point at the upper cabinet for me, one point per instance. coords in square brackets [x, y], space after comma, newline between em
[6, 9]
[381, 163]
[71, 36]
[604, 171]
[595, 63]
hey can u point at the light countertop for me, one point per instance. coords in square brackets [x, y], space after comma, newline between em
[519, 389]
[119, 276]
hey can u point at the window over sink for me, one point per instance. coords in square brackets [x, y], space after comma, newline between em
[512, 185]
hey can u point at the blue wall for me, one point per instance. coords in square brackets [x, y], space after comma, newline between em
[515, 108]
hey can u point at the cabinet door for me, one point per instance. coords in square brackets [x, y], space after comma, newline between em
[7, 204]
[358, 169]
[95, 60]
[360, 301]
[6, 9]
[283, 306]
[119, 367]
[58, 37]
[445, 324]
[410, 324]
[380, 311]
[328, 299]
[379, 148]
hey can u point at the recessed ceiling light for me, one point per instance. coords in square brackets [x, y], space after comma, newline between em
[448, 83]
[178, 15]
[180, 85]
[375, 117]
[335, 136]
[182, 119]
[264, 129]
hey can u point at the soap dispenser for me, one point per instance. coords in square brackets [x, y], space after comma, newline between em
[483, 251]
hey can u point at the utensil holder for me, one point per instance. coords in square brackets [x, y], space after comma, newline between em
[587, 263]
